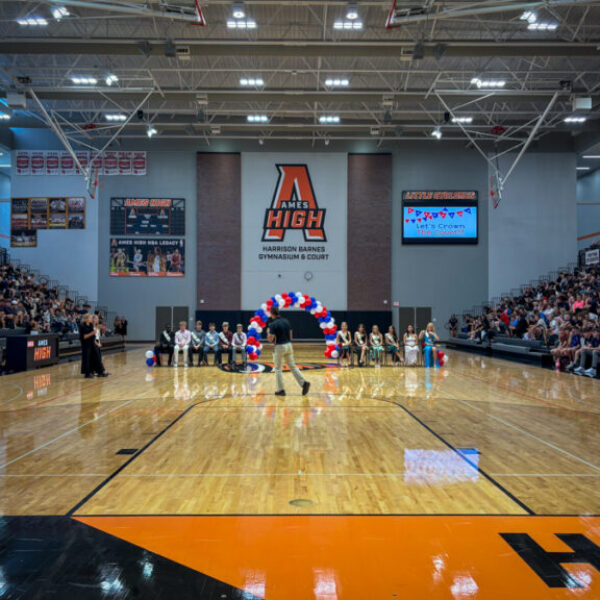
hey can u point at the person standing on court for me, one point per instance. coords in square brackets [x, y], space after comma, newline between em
[280, 333]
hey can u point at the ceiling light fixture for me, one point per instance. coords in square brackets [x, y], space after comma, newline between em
[488, 83]
[257, 119]
[59, 12]
[238, 11]
[151, 131]
[437, 133]
[542, 26]
[110, 79]
[462, 119]
[582, 168]
[5, 116]
[32, 21]
[84, 80]
[252, 81]
[529, 15]
[347, 25]
[329, 119]
[337, 82]
[352, 11]
[574, 119]
[591, 156]
[115, 117]
[249, 24]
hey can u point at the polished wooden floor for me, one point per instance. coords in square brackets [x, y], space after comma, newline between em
[381, 483]
[365, 441]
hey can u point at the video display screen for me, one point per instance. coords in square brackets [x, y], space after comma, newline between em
[439, 217]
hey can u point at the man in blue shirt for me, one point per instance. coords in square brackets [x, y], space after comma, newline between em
[211, 343]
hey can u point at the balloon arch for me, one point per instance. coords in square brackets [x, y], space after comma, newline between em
[291, 300]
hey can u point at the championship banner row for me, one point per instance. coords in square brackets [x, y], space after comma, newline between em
[53, 162]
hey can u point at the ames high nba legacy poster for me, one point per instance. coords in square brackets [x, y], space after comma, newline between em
[294, 226]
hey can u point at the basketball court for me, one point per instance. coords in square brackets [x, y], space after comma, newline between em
[427, 172]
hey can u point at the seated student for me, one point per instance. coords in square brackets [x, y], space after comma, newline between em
[392, 345]
[238, 343]
[198, 336]
[430, 337]
[166, 343]
[574, 345]
[225, 338]
[376, 343]
[344, 342]
[361, 341]
[411, 347]
[592, 351]
[183, 339]
[211, 343]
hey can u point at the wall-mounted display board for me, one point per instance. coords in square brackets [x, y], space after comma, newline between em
[147, 216]
[147, 257]
[30, 214]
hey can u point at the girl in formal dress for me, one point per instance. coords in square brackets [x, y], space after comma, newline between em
[392, 345]
[411, 347]
[430, 337]
[344, 342]
[362, 344]
[376, 342]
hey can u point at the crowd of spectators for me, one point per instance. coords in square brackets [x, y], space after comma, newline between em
[33, 306]
[561, 315]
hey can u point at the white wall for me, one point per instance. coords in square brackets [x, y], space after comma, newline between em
[534, 230]
[588, 209]
[262, 278]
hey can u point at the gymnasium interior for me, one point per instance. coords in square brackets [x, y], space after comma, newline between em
[299, 300]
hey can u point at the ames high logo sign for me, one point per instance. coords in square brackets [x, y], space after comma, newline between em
[294, 206]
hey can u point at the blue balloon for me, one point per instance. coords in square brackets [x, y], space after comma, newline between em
[258, 352]
[252, 332]
[257, 335]
[150, 362]
[248, 350]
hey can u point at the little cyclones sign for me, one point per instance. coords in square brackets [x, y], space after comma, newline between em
[294, 206]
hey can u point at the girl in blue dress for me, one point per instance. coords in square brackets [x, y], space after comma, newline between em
[376, 342]
[430, 337]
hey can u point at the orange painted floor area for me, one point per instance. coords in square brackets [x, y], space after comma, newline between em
[375, 558]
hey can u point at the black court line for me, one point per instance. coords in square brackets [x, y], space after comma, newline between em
[128, 462]
[476, 467]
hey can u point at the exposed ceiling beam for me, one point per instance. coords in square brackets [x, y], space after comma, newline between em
[304, 49]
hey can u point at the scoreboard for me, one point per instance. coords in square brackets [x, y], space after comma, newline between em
[147, 216]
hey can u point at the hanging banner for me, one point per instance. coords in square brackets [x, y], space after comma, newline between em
[139, 163]
[52, 163]
[592, 257]
[124, 163]
[38, 163]
[111, 164]
[67, 164]
[23, 162]
[60, 162]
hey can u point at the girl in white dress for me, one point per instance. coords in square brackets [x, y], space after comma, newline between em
[411, 347]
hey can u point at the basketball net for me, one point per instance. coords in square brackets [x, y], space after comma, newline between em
[495, 190]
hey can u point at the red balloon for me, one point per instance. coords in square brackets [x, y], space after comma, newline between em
[284, 295]
[333, 328]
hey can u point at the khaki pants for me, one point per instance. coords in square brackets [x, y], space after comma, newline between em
[281, 353]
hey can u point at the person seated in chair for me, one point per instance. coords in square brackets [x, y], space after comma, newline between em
[225, 339]
[165, 345]
[198, 339]
[430, 337]
[238, 343]
[361, 341]
[343, 341]
[393, 345]
[211, 343]
[183, 339]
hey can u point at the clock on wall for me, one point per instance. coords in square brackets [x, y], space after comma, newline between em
[308, 275]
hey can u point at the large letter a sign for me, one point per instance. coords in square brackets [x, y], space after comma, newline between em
[294, 206]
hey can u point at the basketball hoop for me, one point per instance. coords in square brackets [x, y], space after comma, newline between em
[495, 189]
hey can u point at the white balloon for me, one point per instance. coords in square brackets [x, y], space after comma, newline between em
[281, 303]
[149, 354]
[258, 329]
[322, 325]
[264, 306]
[335, 354]
[313, 311]
[299, 294]
[278, 297]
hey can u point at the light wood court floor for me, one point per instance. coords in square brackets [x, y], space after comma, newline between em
[480, 436]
